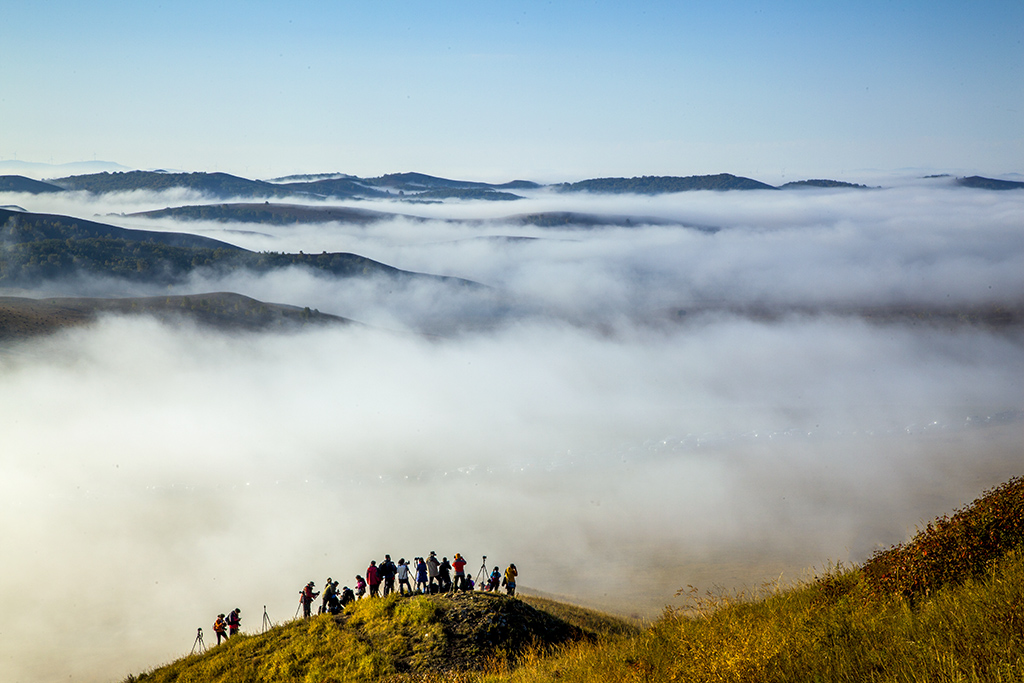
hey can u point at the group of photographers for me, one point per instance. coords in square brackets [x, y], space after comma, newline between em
[429, 575]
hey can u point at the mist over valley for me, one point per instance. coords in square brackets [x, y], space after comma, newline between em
[623, 393]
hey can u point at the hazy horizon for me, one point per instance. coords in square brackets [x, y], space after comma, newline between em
[564, 418]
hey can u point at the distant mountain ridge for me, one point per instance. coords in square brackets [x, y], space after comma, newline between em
[413, 186]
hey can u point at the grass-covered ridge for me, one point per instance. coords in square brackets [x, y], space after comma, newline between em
[959, 616]
[395, 637]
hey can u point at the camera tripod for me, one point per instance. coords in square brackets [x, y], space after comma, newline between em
[482, 575]
[198, 643]
[267, 624]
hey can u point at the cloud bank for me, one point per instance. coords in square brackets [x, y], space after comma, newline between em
[154, 476]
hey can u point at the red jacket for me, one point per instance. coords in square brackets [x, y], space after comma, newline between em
[371, 575]
[459, 565]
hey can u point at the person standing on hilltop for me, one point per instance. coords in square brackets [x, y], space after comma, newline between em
[444, 577]
[510, 580]
[328, 593]
[387, 572]
[403, 577]
[234, 621]
[492, 583]
[373, 578]
[307, 595]
[220, 627]
[360, 587]
[459, 565]
[432, 567]
[421, 575]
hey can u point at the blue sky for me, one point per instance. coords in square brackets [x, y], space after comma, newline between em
[543, 90]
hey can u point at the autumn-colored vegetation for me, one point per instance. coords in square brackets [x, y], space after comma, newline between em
[953, 548]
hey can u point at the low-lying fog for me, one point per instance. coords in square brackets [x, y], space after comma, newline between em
[565, 419]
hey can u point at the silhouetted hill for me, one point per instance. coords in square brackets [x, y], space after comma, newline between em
[419, 182]
[22, 317]
[427, 187]
[40, 247]
[575, 219]
[980, 182]
[17, 227]
[799, 184]
[284, 214]
[664, 184]
[226, 186]
[335, 187]
[270, 214]
[467, 193]
[18, 183]
[220, 185]
[517, 185]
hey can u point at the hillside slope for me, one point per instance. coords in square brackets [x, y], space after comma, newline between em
[41, 247]
[384, 638]
[21, 318]
[957, 616]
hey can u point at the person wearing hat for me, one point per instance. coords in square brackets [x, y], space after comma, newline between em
[308, 594]
[432, 567]
[234, 621]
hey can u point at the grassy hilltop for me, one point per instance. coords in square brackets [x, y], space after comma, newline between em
[946, 606]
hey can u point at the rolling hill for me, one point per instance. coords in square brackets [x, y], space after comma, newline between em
[819, 182]
[664, 184]
[982, 183]
[17, 183]
[21, 318]
[271, 214]
[40, 247]
[222, 185]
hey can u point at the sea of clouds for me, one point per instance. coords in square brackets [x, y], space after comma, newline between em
[566, 416]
